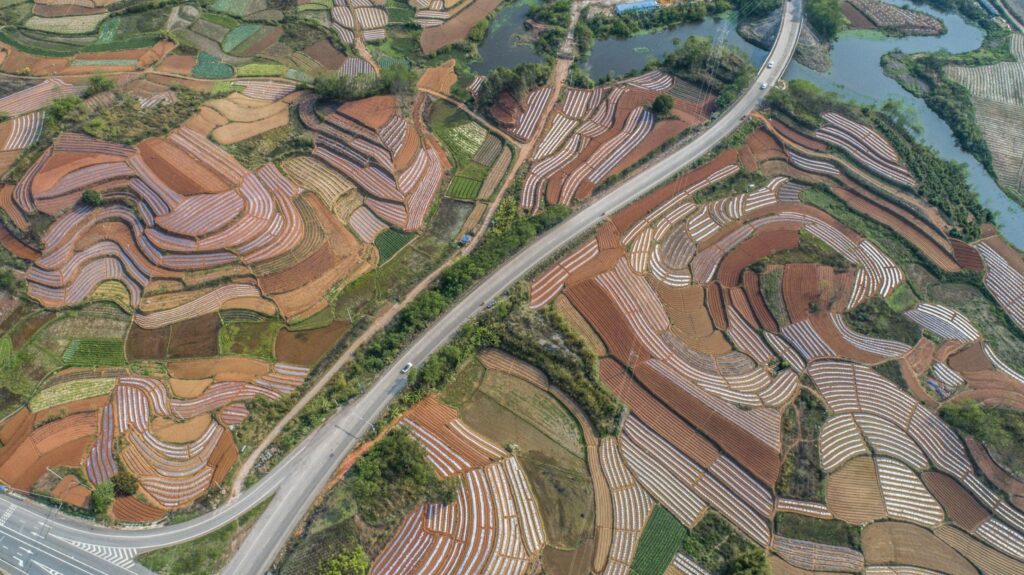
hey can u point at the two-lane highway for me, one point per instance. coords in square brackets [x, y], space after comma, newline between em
[35, 540]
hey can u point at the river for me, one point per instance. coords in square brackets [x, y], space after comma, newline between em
[856, 74]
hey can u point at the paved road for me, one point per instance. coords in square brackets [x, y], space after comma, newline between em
[34, 539]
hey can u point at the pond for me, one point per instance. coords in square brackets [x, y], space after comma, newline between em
[857, 74]
[502, 46]
[620, 56]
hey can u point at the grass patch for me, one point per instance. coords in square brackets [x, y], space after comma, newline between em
[261, 69]
[249, 338]
[659, 542]
[875, 318]
[462, 138]
[1001, 430]
[811, 251]
[98, 352]
[238, 35]
[126, 123]
[891, 371]
[801, 476]
[902, 298]
[390, 241]
[717, 547]
[827, 531]
[206, 555]
[771, 290]
[740, 183]
[71, 391]
[274, 145]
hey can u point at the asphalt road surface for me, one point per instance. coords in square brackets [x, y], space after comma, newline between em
[39, 540]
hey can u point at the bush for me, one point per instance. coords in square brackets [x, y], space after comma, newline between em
[516, 81]
[825, 17]
[125, 483]
[1001, 429]
[92, 198]
[662, 105]
[349, 562]
[97, 85]
[725, 69]
[102, 498]
[396, 80]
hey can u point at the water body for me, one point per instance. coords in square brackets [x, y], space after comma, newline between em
[501, 48]
[621, 56]
[857, 74]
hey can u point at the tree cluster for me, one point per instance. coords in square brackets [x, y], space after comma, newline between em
[825, 17]
[396, 80]
[516, 81]
[724, 69]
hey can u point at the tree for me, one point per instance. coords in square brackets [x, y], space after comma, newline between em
[662, 105]
[92, 198]
[825, 17]
[102, 498]
[8, 282]
[125, 483]
[350, 562]
[97, 85]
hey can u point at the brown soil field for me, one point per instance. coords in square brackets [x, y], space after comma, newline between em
[131, 510]
[181, 64]
[853, 493]
[798, 137]
[970, 358]
[574, 562]
[760, 459]
[264, 39]
[1009, 253]
[580, 325]
[372, 112]
[219, 368]
[827, 330]
[239, 108]
[986, 558]
[920, 358]
[856, 17]
[456, 29]
[70, 490]
[625, 218]
[919, 393]
[147, 343]
[61, 164]
[996, 474]
[18, 425]
[439, 79]
[301, 273]
[308, 346]
[752, 291]
[15, 246]
[690, 319]
[753, 249]
[947, 349]
[173, 431]
[654, 413]
[898, 543]
[179, 170]
[325, 54]
[29, 327]
[195, 337]
[959, 504]
[777, 564]
[716, 305]
[191, 83]
[61, 10]
[188, 388]
[241, 131]
[26, 463]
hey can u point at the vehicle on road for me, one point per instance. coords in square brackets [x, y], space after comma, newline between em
[764, 85]
[771, 64]
[407, 367]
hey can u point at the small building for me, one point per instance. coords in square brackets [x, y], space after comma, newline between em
[634, 6]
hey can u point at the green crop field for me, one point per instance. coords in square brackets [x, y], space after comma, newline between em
[390, 241]
[464, 188]
[211, 68]
[94, 352]
[261, 69]
[658, 543]
[238, 35]
[71, 391]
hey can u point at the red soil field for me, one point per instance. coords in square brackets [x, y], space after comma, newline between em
[17, 61]
[897, 543]
[752, 292]
[178, 64]
[856, 17]
[801, 291]
[716, 307]
[371, 112]
[758, 246]
[971, 358]
[224, 455]
[601, 313]
[749, 451]
[645, 406]
[16, 247]
[91, 404]
[131, 510]
[179, 170]
[70, 490]
[920, 358]
[947, 349]
[301, 273]
[966, 256]
[959, 504]
[220, 368]
[996, 474]
[308, 346]
[798, 137]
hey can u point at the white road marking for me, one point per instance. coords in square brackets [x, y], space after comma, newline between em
[123, 557]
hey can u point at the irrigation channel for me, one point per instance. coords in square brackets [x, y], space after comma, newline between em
[856, 74]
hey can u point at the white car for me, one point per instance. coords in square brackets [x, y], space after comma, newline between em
[764, 85]
[771, 64]
[407, 367]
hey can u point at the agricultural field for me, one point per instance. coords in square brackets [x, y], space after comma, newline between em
[996, 92]
[473, 151]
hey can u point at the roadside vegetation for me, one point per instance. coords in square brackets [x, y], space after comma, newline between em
[1001, 430]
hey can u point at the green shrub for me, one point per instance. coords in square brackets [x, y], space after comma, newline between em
[211, 68]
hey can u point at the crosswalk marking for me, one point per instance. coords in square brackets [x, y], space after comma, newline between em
[123, 557]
